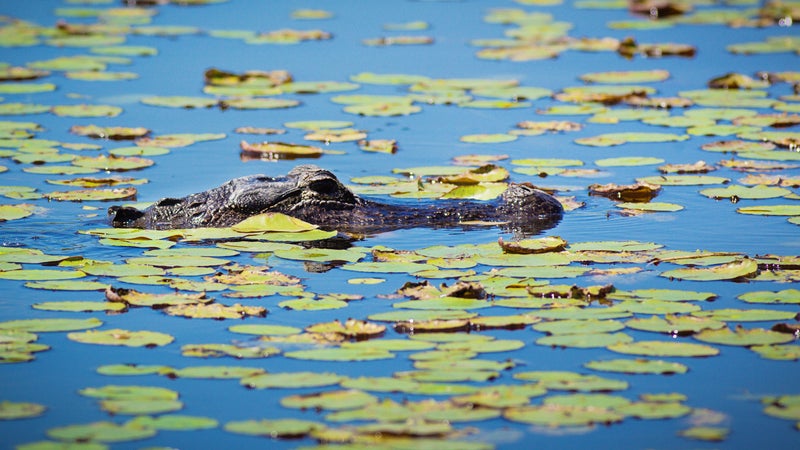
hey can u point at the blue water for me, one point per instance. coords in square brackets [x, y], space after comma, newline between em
[730, 383]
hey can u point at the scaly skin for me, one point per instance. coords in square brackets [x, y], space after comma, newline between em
[315, 195]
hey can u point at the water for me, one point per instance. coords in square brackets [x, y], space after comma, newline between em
[731, 384]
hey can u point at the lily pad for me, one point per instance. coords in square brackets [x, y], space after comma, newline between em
[50, 325]
[101, 432]
[123, 338]
[740, 269]
[20, 410]
[638, 366]
[664, 348]
[86, 111]
[276, 429]
[330, 400]
[743, 337]
[561, 416]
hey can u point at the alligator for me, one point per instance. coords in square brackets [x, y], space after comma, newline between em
[316, 196]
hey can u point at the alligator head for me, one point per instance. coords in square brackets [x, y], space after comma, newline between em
[315, 195]
[303, 190]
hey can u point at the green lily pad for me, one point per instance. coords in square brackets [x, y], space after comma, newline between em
[67, 285]
[771, 210]
[561, 416]
[341, 354]
[786, 296]
[744, 192]
[112, 163]
[213, 372]
[180, 102]
[706, 433]
[572, 326]
[50, 325]
[276, 429]
[778, 352]
[81, 195]
[221, 350]
[584, 340]
[495, 138]
[215, 311]
[79, 306]
[330, 400]
[268, 330]
[137, 407]
[664, 348]
[637, 366]
[122, 337]
[86, 111]
[633, 76]
[312, 304]
[13, 109]
[674, 324]
[740, 269]
[654, 410]
[610, 139]
[174, 422]
[377, 384]
[131, 369]
[628, 161]
[41, 274]
[291, 380]
[20, 410]
[15, 212]
[571, 381]
[745, 315]
[258, 103]
[650, 206]
[743, 337]
[101, 432]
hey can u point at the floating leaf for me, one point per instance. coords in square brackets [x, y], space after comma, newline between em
[745, 315]
[181, 102]
[641, 76]
[280, 428]
[20, 410]
[101, 432]
[785, 296]
[650, 206]
[291, 380]
[50, 325]
[654, 410]
[86, 111]
[743, 337]
[80, 195]
[340, 354]
[638, 366]
[610, 139]
[664, 348]
[330, 400]
[268, 330]
[174, 422]
[674, 324]
[741, 269]
[112, 163]
[122, 337]
[215, 311]
[220, 350]
[771, 210]
[79, 306]
[15, 212]
[705, 433]
[560, 416]
[488, 138]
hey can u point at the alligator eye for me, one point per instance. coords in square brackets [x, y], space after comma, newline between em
[325, 187]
